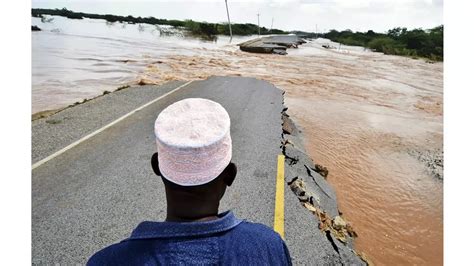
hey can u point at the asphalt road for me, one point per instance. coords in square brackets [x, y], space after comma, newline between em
[97, 192]
[56, 132]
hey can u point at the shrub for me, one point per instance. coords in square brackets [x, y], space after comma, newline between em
[381, 44]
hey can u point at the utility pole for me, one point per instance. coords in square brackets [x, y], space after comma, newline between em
[258, 18]
[228, 18]
[271, 27]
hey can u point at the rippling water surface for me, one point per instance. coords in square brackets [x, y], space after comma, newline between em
[363, 114]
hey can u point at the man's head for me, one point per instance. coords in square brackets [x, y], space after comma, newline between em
[194, 155]
[211, 191]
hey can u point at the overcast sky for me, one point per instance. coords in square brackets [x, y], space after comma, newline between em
[308, 15]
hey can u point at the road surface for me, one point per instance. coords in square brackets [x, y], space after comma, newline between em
[96, 192]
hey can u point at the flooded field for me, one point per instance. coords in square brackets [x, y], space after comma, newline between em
[375, 121]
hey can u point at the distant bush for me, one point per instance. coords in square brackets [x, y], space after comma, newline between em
[70, 14]
[351, 41]
[199, 28]
[381, 44]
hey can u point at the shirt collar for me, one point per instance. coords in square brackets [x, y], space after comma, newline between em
[148, 229]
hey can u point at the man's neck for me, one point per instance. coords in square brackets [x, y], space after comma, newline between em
[190, 213]
[172, 218]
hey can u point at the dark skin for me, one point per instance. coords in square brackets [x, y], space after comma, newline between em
[195, 203]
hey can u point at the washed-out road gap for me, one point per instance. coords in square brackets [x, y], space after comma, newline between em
[96, 192]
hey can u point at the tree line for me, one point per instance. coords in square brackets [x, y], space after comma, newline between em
[397, 41]
[195, 27]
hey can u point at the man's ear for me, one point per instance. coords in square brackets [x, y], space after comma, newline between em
[154, 164]
[230, 173]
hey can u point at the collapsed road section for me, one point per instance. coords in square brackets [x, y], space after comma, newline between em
[272, 44]
[317, 232]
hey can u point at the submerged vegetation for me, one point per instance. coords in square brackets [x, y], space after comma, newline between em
[194, 27]
[397, 41]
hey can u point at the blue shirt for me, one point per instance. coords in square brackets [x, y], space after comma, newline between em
[224, 241]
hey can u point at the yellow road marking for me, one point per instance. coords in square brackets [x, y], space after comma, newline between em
[279, 221]
[74, 144]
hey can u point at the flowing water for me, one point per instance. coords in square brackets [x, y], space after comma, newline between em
[367, 117]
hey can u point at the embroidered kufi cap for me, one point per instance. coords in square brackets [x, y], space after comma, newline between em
[193, 141]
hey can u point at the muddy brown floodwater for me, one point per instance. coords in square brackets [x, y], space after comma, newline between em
[364, 115]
